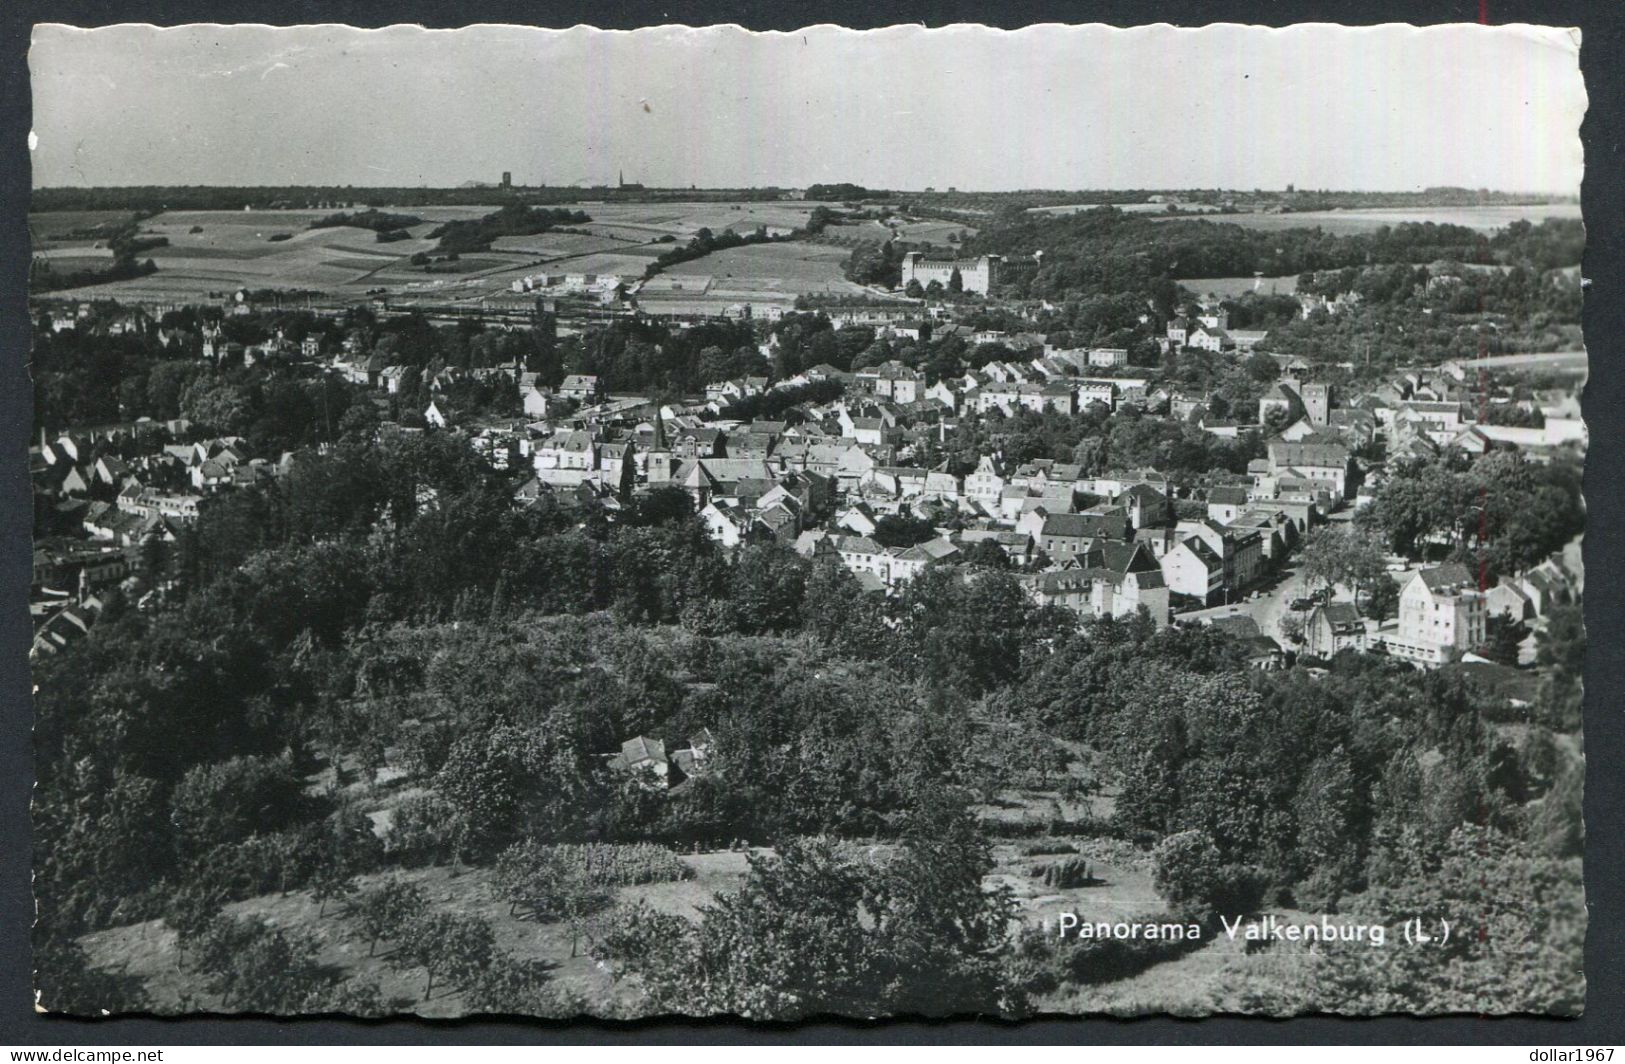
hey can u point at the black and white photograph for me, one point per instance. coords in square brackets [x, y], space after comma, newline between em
[579, 524]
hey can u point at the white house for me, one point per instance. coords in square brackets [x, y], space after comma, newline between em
[1442, 615]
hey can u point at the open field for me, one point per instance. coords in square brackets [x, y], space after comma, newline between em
[930, 232]
[51, 228]
[1235, 287]
[1127, 208]
[219, 251]
[558, 245]
[683, 220]
[789, 268]
[1484, 219]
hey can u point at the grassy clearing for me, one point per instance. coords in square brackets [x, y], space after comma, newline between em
[148, 950]
[48, 226]
[1235, 287]
[789, 268]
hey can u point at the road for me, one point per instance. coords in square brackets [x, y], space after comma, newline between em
[1267, 609]
[1274, 601]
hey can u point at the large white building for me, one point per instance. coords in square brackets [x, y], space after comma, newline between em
[975, 275]
[1442, 615]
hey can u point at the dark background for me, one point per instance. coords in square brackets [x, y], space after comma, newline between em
[1603, 27]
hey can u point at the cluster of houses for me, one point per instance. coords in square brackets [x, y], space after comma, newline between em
[823, 477]
[1444, 613]
[1210, 331]
[106, 493]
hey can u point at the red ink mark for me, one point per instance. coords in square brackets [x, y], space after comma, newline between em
[1483, 12]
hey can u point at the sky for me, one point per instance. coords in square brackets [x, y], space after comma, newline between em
[1084, 107]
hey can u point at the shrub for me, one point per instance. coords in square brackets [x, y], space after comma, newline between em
[1064, 874]
[1045, 849]
[1192, 877]
[626, 864]
[515, 987]
[1045, 960]
[426, 829]
[227, 801]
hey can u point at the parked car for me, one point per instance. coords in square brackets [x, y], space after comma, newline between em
[1302, 604]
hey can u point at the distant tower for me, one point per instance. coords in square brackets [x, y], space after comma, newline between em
[507, 179]
[620, 179]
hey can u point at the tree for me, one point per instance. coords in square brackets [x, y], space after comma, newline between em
[331, 884]
[215, 404]
[1090, 454]
[1194, 880]
[548, 883]
[454, 945]
[516, 987]
[1562, 645]
[768, 588]
[389, 909]
[1383, 600]
[821, 928]
[256, 968]
[1262, 368]
[1333, 824]
[1515, 940]
[228, 801]
[956, 283]
[902, 530]
[67, 982]
[1503, 638]
[1333, 556]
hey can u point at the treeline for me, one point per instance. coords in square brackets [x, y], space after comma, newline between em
[652, 358]
[770, 405]
[704, 242]
[45, 277]
[126, 242]
[1109, 251]
[156, 198]
[388, 227]
[513, 219]
[839, 191]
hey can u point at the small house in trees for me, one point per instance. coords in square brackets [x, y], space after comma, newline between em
[434, 416]
[581, 387]
[644, 760]
[1333, 627]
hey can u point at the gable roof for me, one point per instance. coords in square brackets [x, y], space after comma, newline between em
[1306, 453]
[1340, 614]
[1240, 625]
[1448, 576]
[1110, 525]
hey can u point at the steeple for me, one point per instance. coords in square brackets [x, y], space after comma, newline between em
[660, 434]
[620, 179]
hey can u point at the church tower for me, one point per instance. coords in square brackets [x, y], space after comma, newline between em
[660, 465]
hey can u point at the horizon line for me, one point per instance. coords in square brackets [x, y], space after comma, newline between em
[928, 190]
